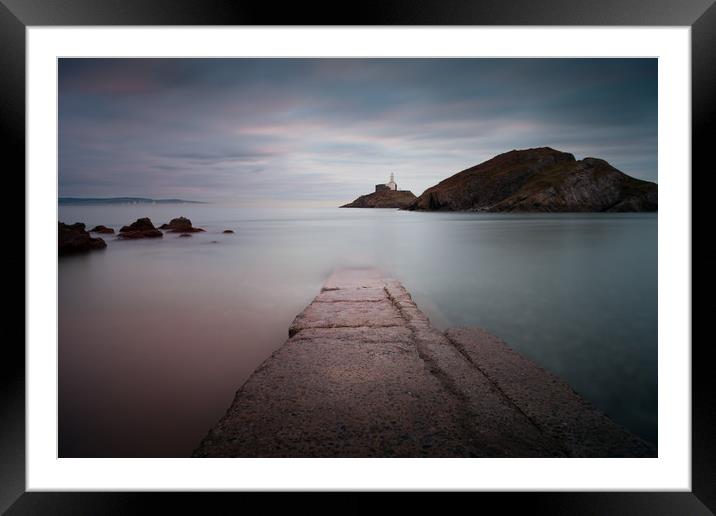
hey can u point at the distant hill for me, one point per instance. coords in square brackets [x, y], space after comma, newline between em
[122, 200]
[540, 180]
[384, 199]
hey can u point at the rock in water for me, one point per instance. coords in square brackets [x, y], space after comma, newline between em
[102, 229]
[384, 199]
[540, 180]
[74, 239]
[180, 225]
[228, 231]
[142, 228]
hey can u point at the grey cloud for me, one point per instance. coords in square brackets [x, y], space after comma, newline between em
[324, 128]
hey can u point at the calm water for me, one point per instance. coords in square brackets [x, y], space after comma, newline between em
[155, 336]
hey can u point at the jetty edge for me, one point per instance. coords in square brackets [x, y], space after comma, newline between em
[364, 374]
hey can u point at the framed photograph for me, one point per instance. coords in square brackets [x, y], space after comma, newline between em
[417, 250]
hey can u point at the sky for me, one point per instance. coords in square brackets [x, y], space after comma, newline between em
[252, 131]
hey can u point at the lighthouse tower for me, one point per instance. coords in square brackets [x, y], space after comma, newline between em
[391, 184]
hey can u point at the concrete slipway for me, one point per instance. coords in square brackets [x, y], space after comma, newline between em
[364, 374]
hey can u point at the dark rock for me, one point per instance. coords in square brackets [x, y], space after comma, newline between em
[384, 199]
[74, 239]
[540, 180]
[132, 235]
[142, 224]
[142, 228]
[102, 229]
[228, 231]
[184, 235]
[180, 225]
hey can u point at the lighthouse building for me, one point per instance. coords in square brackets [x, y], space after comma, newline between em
[390, 185]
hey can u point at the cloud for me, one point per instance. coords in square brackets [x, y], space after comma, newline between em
[332, 128]
[203, 158]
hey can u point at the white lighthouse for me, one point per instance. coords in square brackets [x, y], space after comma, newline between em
[391, 184]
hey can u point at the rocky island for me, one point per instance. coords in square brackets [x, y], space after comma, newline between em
[386, 199]
[385, 196]
[540, 180]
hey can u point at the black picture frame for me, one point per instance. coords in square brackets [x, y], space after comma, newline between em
[700, 15]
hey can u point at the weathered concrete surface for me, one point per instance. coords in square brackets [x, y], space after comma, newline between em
[363, 374]
[547, 400]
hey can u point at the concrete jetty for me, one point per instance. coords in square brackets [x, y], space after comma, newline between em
[364, 374]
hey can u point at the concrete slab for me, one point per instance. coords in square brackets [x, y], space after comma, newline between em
[348, 314]
[548, 401]
[364, 374]
[357, 294]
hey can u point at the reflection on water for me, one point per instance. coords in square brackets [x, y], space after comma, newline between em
[155, 336]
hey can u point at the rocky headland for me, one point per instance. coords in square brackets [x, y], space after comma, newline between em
[384, 199]
[540, 180]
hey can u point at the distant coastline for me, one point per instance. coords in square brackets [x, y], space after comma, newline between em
[122, 200]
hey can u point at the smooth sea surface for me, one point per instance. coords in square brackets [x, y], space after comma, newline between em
[157, 335]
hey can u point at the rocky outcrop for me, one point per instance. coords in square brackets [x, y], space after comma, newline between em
[75, 239]
[228, 232]
[540, 180]
[141, 228]
[102, 229]
[384, 199]
[180, 225]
